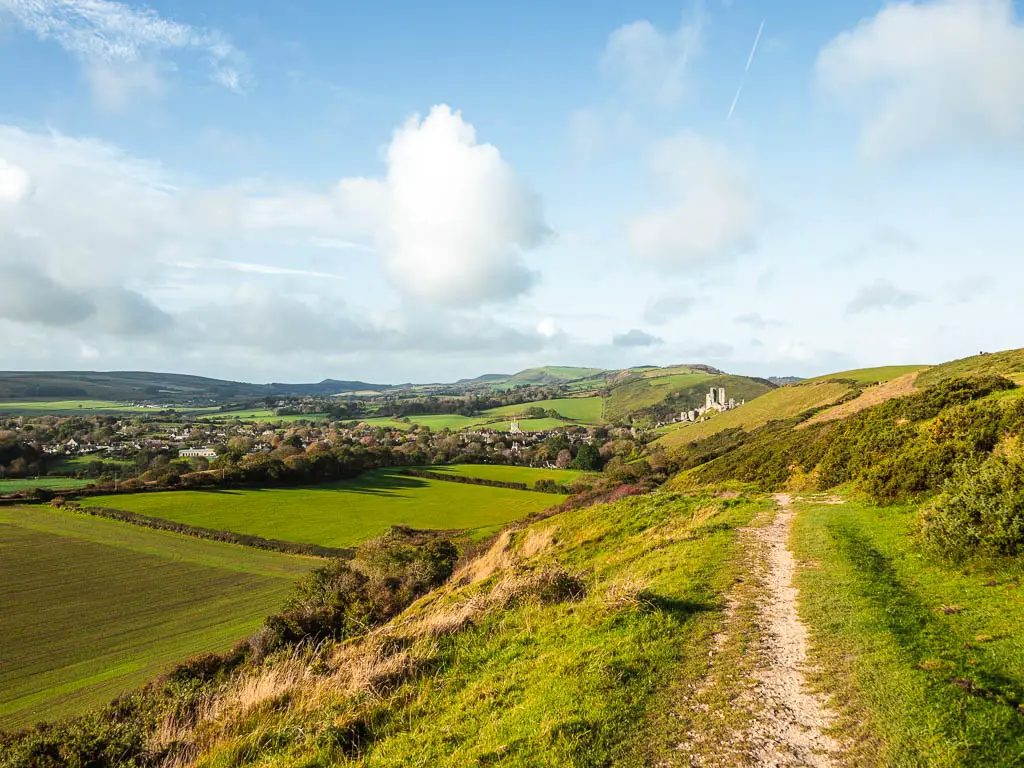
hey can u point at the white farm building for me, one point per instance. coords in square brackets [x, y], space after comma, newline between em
[197, 453]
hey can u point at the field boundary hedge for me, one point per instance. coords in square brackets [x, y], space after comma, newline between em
[541, 486]
[213, 534]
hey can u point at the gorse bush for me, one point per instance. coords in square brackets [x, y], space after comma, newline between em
[350, 596]
[890, 451]
[979, 512]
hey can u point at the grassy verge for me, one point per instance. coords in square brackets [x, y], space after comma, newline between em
[924, 662]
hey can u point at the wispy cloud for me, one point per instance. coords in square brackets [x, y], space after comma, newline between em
[746, 69]
[262, 269]
[104, 33]
[636, 338]
[881, 294]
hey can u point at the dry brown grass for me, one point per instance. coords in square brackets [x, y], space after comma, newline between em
[498, 557]
[898, 387]
[537, 541]
[627, 592]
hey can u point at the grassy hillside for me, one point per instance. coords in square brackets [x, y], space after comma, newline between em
[871, 375]
[782, 403]
[643, 392]
[676, 392]
[90, 607]
[550, 374]
[552, 648]
[339, 514]
[586, 410]
[1009, 363]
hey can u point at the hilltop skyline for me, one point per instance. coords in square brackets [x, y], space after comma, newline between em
[401, 193]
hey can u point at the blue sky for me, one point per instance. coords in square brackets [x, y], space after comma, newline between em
[408, 191]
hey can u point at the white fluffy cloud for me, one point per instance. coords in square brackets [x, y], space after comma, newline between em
[921, 74]
[651, 65]
[14, 182]
[711, 213]
[98, 243]
[450, 219]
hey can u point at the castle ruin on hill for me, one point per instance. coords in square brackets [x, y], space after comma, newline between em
[714, 401]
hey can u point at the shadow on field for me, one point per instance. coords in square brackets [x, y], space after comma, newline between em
[379, 483]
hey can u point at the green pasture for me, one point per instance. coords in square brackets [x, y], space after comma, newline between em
[81, 462]
[386, 421]
[583, 409]
[91, 607]
[340, 514]
[506, 474]
[73, 407]
[52, 483]
[453, 421]
[262, 415]
[68, 407]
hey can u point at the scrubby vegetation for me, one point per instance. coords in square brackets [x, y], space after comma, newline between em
[980, 510]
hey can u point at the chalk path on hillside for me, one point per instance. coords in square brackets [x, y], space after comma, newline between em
[754, 707]
[790, 721]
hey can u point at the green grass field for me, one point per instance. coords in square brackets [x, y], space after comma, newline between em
[90, 608]
[872, 375]
[72, 407]
[262, 415]
[81, 462]
[386, 421]
[586, 410]
[53, 483]
[528, 475]
[925, 662]
[1009, 363]
[66, 407]
[453, 421]
[782, 403]
[340, 514]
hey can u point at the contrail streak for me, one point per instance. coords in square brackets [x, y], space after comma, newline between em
[750, 60]
[753, 50]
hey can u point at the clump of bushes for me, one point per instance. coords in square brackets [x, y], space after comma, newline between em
[884, 450]
[979, 512]
[350, 596]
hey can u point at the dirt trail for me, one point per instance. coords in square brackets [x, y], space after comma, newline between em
[754, 707]
[789, 727]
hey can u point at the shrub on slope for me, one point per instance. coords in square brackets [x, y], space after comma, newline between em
[889, 451]
[979, 511]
